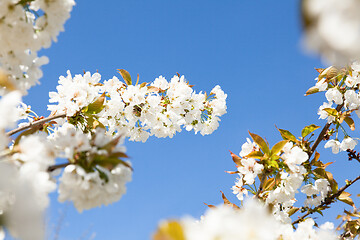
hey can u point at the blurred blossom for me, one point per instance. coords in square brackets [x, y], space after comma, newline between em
[332, 29]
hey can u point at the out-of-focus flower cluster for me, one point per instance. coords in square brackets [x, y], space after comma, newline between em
[138, 111]
[28, 26]
[94, 174]
[253, 221]
[332, 28]
[25, 182]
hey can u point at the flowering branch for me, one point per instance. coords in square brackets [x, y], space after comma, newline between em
[322, 134]
[327, 201]
[35, 123]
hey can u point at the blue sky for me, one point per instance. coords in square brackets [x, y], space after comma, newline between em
[252, 49]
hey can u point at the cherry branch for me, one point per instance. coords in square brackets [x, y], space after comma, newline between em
[322, 133]
[327, 201]
[35, 123]
[53, 167]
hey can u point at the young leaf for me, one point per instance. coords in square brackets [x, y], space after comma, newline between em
[309, 129]
[255, 154]
[210, 206]
[286, 135]
[320, 173]
[311, 90]
[236, 159]
[331, 111]
[227, 202]
[126, 76]
[96, 106]
[350, 122]
[333, 183]
[328, 73]
[143, 84]
[261, 142]
[293, 210]
[316, 158]
[232, 172]
[345, 197]
[269, 184]
[278, 147]
[137, 80]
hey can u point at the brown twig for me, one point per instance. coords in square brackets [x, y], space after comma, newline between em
[353, 155]
[322, 134]
[35, 123]
[327, 201]
[262, 180]
[53, 167]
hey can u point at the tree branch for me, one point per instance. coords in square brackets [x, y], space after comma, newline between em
[322, 133]
[53, 167]
[35, 123]
[327, 201]
[262, 180]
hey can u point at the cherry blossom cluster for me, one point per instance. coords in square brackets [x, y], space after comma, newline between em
[28, 26]
[342, 89]
[138, 111]
[287, 167]
[252, 221]
[88, 126]
[95, 175]
[332, 28]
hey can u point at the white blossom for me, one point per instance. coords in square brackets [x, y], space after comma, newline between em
[88, 190]
[9, 114]
[323, 114]
[252, 221]
[334, 144]
[28, 30]
[333, 29]
[348, 143]
[333, 94]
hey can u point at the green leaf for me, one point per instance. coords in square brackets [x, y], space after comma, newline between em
[269, 184]
[96, 106]
[320, 173]
[331, 111]
[273, 164]
[293, 210]
[109, 162]
[126, 76]
[255, 154]
[261, 142]
[309, 129]
[350, 122]
[278, 147]
[286, 135]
